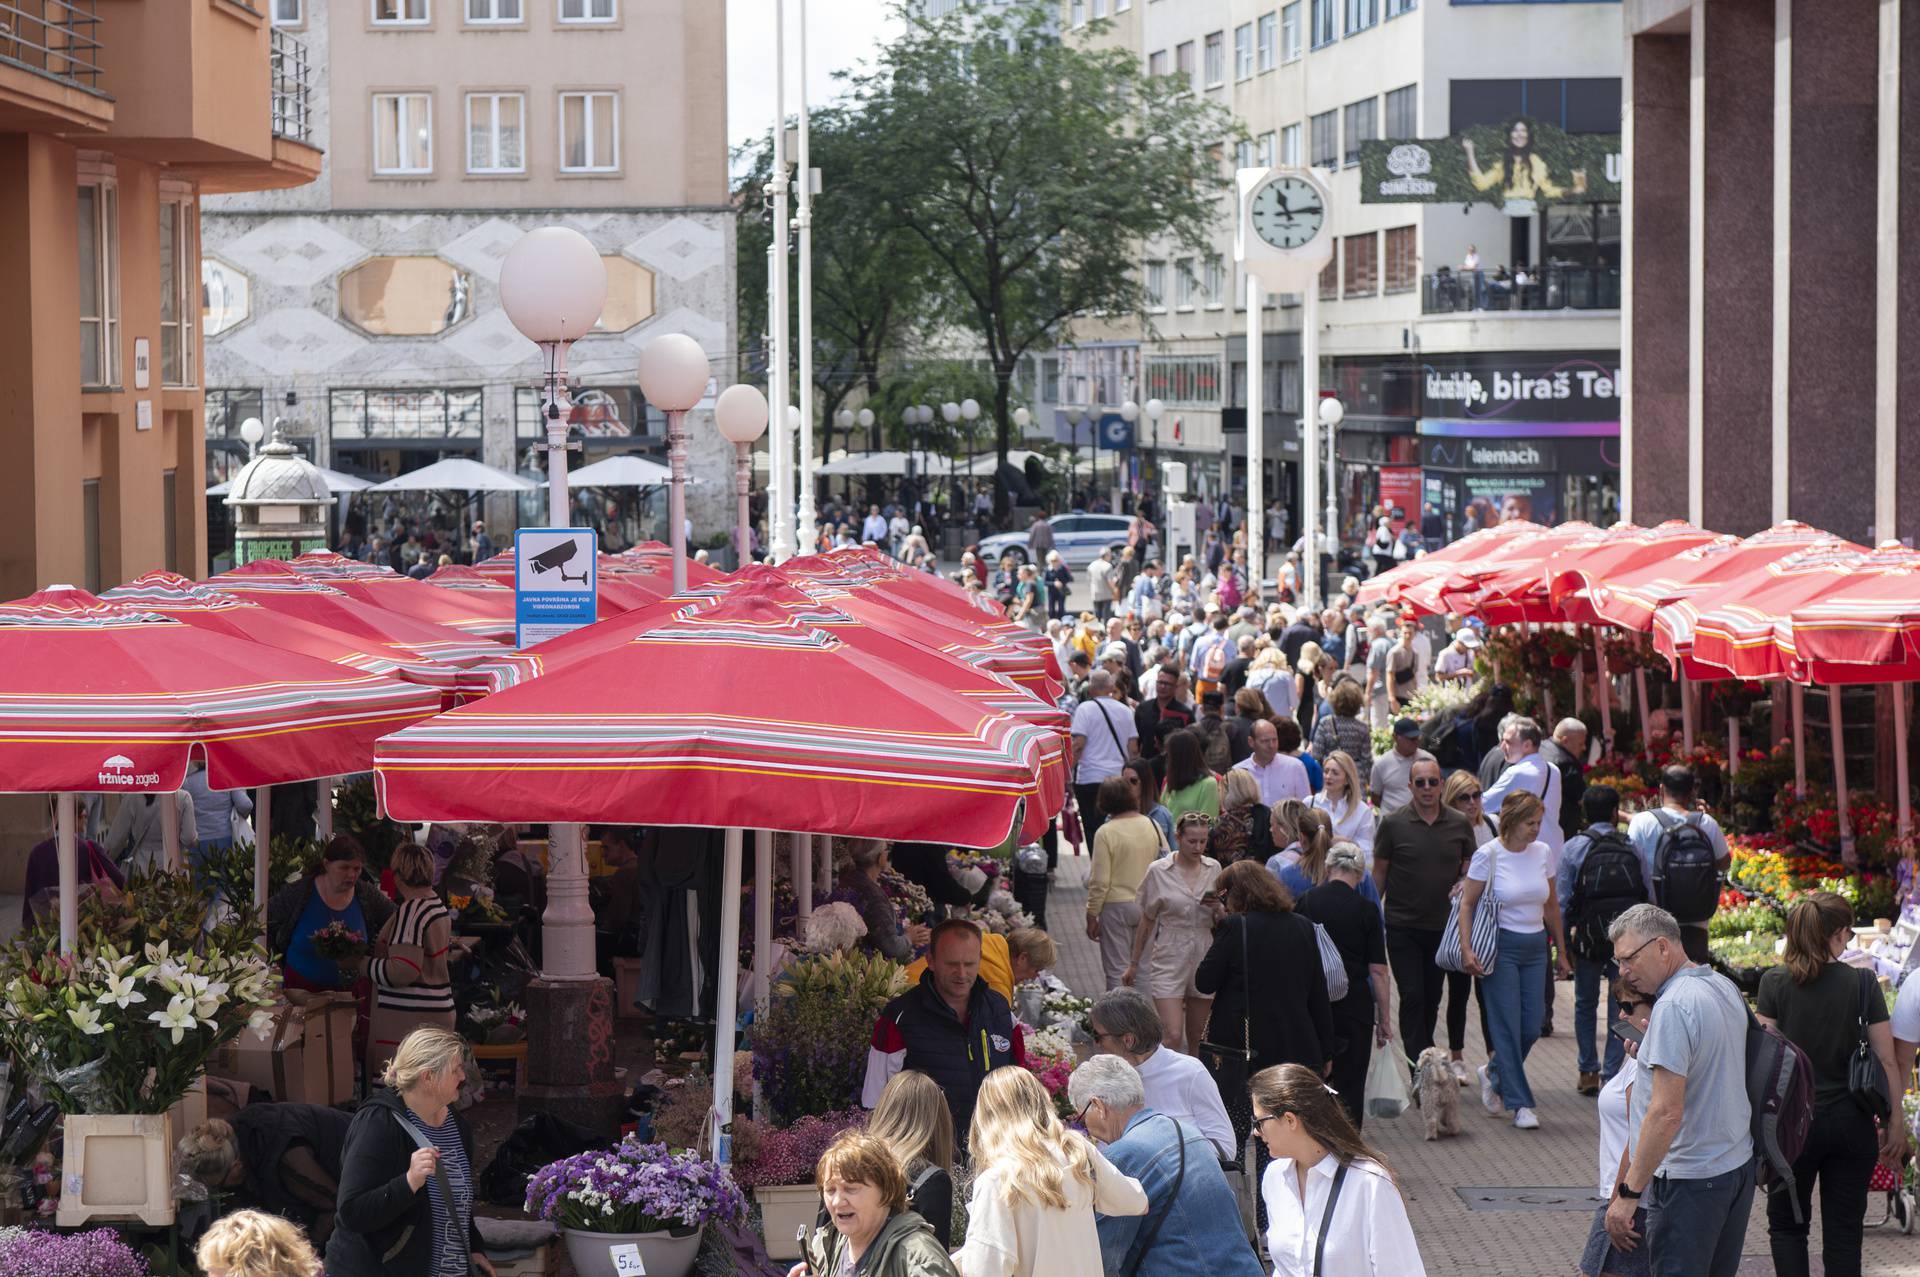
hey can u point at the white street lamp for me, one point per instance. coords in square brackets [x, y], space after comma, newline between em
[1022, 418]
[1332, 413]
[740, 415]
[674, 376]
[553, 286]
[252, 432]
[866, 419]
[950, 412]
[1154, 410]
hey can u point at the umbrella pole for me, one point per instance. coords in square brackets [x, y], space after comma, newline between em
[1602, 691]
[1733, 746]
[1579, 682]
[1834, 727]
[1798, 697]
[727, 1006]
[823, 849]
[262, 846]
[1646, 725]
[762, 915]
[1905, 800]
[323, 809]
[66, 847]
[803, 876]
[170, 831]
[1686, 712]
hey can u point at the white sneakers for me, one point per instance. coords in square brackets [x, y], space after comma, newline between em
[1524, 1120]
[1489, 1095]
[1462, 1074]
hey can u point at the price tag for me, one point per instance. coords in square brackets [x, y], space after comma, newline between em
[627, 1261]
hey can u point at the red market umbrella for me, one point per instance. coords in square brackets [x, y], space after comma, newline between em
[1630, 599]
[1574, 571]
[1731, 630]
[99, 696]
[1867, 628]
[1385, 586]
[1472, 587]
[473, 666]
[480, 615]
[655, 558]
[733, 715]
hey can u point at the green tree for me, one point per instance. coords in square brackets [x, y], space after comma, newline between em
[1031, 170]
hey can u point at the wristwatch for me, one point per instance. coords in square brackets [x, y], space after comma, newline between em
[1622, 1189]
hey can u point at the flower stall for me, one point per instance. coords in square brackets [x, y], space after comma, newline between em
[637, 1198]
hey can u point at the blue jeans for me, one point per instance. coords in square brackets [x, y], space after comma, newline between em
[1696, 1227]
[1589, 979]
[1512, 996]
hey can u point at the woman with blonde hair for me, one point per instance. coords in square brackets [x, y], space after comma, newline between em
[1036, 1186]
[280, 1158]
[1272, 677]
[1344, 798]
[1332, 1206]
[915, 1122]
[412, 985]
[406, 1179]
[1244, 830]
[1462, 792]
[249, 1243]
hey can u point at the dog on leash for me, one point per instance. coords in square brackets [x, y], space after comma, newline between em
[1438, 1091]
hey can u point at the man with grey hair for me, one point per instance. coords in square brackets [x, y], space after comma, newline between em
[1379, 654]
[1125, 1024]
[1689, 1158]
[1192, 1222]
[1567, 752]
[1527, 771]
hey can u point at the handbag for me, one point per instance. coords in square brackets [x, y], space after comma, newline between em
[1326, 1217]
[1486, 928]
[1866, 1079]
[1173, 1195]
[1332, 964]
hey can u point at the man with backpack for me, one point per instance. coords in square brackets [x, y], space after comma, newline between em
[1600, 879]
[1683, 853]
[1690, 1144]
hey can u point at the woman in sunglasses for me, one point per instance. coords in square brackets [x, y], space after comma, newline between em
[1600, 1259]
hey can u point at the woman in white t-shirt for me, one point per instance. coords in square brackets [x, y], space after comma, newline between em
[1342, 798]
[1600, 1259]
[1333, 1209]
[1520, 869]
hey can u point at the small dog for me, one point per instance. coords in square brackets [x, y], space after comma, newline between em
[1438, 1091]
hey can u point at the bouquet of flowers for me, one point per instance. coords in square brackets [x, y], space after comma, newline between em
[476, 909]
[35, 1252]
[810, 1048]
[788, 1154]
[834, 927]
[489, 1024]
[338, 942]
[1051, 1059]
[634, 1188]
[1001, 915]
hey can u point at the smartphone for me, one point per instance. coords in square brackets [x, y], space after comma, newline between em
[1626, 1031]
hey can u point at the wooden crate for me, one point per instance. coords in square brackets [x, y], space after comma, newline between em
[116, 1167]
[498, 1061]
[626, 984]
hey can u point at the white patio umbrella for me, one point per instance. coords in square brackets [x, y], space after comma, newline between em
[337, 483]
[893, 463]
[622, 471]
[456, 474]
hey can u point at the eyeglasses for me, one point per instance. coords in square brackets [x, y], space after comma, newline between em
[1426, 782]
[1080, 1118]
[1622, 959]
[1628, 1008]
[1258, 1122]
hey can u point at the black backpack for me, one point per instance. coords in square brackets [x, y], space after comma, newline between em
[1610, 882]
[1686, 877]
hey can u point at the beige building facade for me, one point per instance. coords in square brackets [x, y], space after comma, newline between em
[116, 116]
[362, 314]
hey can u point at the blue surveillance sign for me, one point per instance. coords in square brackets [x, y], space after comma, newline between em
[556, 582]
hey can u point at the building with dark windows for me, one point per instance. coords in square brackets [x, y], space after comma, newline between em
[1773, 366]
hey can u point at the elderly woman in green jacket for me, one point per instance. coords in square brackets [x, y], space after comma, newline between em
[873, 1233]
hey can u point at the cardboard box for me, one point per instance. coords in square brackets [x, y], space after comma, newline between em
[330, 1022]
[534, 1265]
[307, 1058]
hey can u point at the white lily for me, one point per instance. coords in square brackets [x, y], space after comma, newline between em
[178, 1016]
[120, 992]
[86, 1019]
[261, 1022]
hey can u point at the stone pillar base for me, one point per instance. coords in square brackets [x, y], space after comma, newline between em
[570, 1053]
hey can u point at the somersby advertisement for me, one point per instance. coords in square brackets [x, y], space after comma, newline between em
[1517, 166]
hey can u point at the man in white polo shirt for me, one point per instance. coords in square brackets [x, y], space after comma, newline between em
[1104, 738]
[1279, 775]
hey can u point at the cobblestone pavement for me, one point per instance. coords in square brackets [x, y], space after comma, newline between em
[1490, 1153]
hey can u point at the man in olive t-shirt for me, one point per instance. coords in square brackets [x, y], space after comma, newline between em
[1419, 854]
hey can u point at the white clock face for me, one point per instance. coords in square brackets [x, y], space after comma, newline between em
[1287, 212]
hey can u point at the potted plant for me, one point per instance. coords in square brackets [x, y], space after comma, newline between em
[119, 1030]
[810, 1049]
[779, 1170]
[634, 1194]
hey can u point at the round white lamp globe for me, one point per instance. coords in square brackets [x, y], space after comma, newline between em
[1154, 409]
[252, 432]
[1129, 411]
[1022, 418]
[970, 409]
[1332, 412]
[740, 414]
[865, 418]
[673, 372]
[950, 412]
[553, 285]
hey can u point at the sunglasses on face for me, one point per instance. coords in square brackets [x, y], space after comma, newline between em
[1629, 1008]
[1426, 782]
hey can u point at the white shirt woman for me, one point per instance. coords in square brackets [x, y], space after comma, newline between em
[1613, 1127]
[1367, 1232]
[1522, 886]
[1353, 821]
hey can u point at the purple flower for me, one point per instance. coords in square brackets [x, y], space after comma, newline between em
[31, 1252]
[633, 1188]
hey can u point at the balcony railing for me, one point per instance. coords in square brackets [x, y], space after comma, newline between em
[58, 38]
[292, 89]
[1553, 288]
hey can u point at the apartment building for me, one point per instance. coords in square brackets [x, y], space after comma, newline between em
[116, 116]
[363, 311]
[1402, 337]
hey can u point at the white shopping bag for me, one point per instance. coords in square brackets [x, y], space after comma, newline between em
[1387, 1094]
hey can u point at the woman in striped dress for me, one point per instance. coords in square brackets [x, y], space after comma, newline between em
[411, 987]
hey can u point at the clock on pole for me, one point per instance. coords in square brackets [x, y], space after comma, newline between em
[1282, 241]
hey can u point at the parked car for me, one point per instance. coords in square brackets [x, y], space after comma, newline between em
[1078, 537]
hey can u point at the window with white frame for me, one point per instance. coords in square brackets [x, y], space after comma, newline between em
[1079, 13]
[1183, 282]
[98, 212]
[1156, 286]
[1326, 139]
[1121, 6]
[1183, 60]
[1243, 51]
[1213, 288]
[1290, 32]
[402, 133]
[1290, 145]
[1216, 59]
[589, 132]
[1243, 154]
[1362, 14]
[1402, 112]
[1099, 8]
[496, 133]
[1157, 62]
[1360, 127]
[399, 13]
[1397, 7]
[587, 10]
[483, 13]
[179, 291]
[1325, 22]
[1269, 151]
[289, 13]
[1265, 40]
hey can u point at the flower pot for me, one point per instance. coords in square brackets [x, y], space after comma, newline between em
[664, 1254]
[784, 1210]
[116, 1166]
